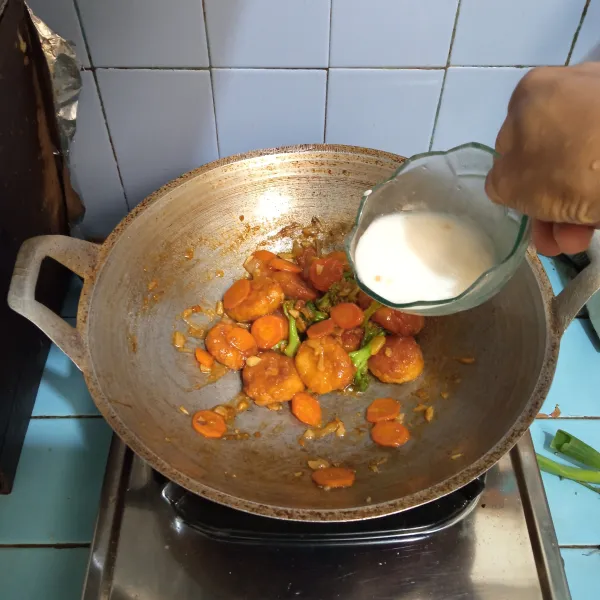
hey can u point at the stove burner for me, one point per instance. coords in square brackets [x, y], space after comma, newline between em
[230, 525]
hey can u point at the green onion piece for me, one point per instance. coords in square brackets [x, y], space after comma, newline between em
[324, 302]
[372, 309]
[589, 487]
[293, 338]
[574, 448]
[317, 315]
[580, 475]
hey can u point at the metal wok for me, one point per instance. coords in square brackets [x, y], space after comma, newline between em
[122, 343]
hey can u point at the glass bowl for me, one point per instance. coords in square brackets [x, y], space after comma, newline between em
[451, 182]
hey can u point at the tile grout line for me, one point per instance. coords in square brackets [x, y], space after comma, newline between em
[439, 105]
[327, 72]
[347, 68]
[63, 417]
[110, 139]
[577, 30]
[568, 418]
[94, 75]
[59, 546]
[212, 81]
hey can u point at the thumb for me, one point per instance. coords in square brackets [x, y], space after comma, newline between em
[572, 239]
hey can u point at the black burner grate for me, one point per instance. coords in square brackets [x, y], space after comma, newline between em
[229, 525]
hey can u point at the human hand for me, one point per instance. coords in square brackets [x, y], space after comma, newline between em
[549, 163]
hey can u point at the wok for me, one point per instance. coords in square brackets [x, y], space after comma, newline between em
[224, 210]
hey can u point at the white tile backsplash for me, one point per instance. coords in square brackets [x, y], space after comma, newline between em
[391, 33]
[587, 46]
[391, 110]
[515, 32]
[276, 66]
[61, 17]
[268, 33]
[474, 104]
[145, 33]
[95, 174]
[264, 108]
[161, 122]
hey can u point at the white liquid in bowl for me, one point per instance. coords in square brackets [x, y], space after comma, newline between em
[408, 257]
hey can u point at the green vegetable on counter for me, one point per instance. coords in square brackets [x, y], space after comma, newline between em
[582, 476]
[574, 448]
[568, 445]
[293, 338]
[360, 360]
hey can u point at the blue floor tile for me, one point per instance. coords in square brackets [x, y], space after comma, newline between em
[576, 384]
[582, 566]
[42, 573]
[58, 482]
[62, 390]
[69, 308]
[574, 508]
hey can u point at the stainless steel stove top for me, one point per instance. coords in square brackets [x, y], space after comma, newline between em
[153, 541]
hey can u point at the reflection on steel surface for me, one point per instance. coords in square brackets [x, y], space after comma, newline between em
[504, 549]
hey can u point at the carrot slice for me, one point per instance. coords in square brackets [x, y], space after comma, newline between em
[209, 424]
[236, 294]
[204, 358]
[241, 339]
[321, 329]
[383, 409]
[324, 272]
[339, 255]
[264, 255]
[333, 477]
[269, 330]
[306, 408]
[281, 264]
[347, 315]
[390, 433]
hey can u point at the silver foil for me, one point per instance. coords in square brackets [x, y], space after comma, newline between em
[65, 77]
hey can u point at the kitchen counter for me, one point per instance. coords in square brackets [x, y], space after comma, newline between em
[47, 523]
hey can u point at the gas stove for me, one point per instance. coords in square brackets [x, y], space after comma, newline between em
[491, 540]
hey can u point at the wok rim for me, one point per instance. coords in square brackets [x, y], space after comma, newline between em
[370, 511]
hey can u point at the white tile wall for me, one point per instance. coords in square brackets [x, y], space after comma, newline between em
[391, 33]
[378, 66]
[515, 32]
[474, 104]
[263, 108]
[587, 46]
[145, 33]
[61, 16]
[388, 109]
[268, 33]
[93, 164]
[161, 123]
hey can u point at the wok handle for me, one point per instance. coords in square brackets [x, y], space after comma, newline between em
[78, 256]
[578, 292]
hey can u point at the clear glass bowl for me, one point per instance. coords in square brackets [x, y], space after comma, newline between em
[449, 182]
